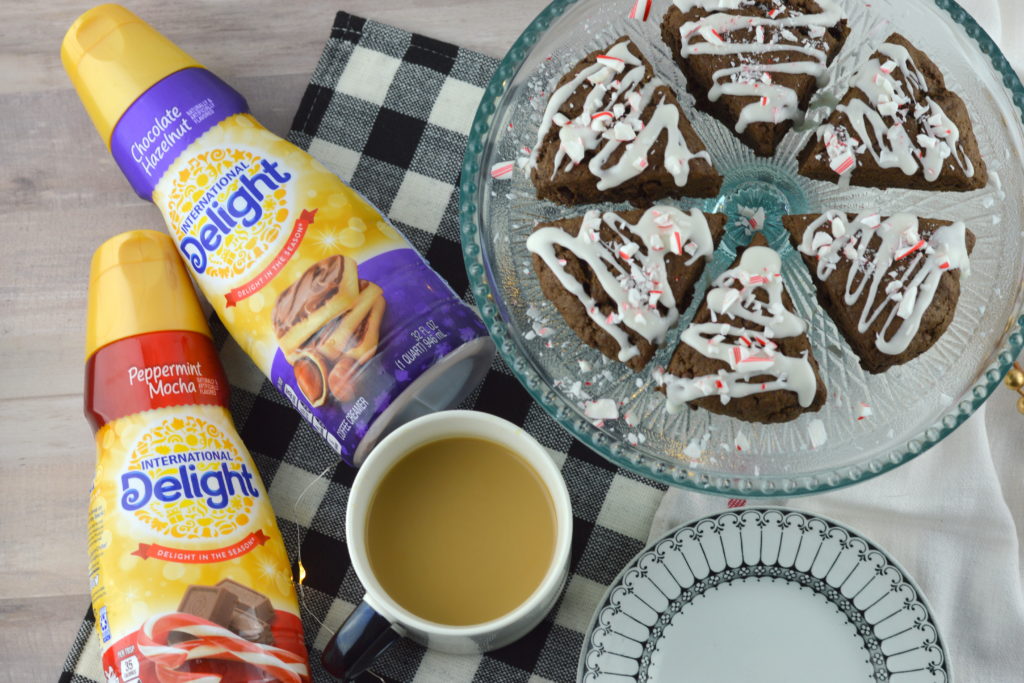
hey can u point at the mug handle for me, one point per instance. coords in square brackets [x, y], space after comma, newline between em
[363, 637]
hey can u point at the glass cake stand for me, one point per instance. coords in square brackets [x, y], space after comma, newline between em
[913, 406]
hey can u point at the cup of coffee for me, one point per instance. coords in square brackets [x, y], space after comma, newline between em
[458, 526]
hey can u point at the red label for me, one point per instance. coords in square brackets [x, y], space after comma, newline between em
[260, 281]
[154, 370]
[149, 654]
[187, 556]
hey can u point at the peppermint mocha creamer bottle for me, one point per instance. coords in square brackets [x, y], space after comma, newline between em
[328, 299]
[187, 569]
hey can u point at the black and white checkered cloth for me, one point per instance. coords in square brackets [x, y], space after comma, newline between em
[389, 112]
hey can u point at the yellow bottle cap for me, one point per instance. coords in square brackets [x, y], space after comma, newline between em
[138, 284]
[112, 57]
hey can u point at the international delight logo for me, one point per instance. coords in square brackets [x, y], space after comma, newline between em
[187, 480]
[230, 210]
[176, 476]
[211, 221]
[196, 494]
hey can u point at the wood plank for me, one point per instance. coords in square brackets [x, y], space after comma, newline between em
[46, 469]
[236, 38]
[36, 634]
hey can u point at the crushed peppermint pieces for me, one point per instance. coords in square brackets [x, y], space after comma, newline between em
[601, 409]
[641, 10]
[817, 433]
[755, 218]
[542, 330]
[920, 244]
[694, 448]
[742, 442]
[872, 220]
[842, 162]
[613, 63]
[677, 243]
[502, 169]
[711, 35]
[627, 250]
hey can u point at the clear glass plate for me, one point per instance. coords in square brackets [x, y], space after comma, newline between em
[914, 405]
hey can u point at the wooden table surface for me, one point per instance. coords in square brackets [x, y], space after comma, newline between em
[62, 195]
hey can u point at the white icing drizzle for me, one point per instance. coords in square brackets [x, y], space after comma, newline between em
[749, 352]
[610, 118]
[752, 78]
[900, 292]
[889, 104]
[637, 282]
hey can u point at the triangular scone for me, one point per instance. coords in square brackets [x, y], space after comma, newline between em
[897, 126]
[755, 65]
[746, 353]
[620, 280]
[612, 132]
[891, 285]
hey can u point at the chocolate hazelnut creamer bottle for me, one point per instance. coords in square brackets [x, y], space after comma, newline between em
[328, 299]
[188, 573]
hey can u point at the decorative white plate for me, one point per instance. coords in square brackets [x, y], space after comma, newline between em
[765, 595]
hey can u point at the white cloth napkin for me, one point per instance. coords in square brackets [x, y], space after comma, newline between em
[954, 517]
[1003, 20]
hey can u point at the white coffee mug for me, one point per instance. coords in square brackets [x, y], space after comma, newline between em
[378, 621]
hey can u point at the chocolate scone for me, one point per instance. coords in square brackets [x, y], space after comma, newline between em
[755, 65]
[891, 285]
[746, 353]
[620, 280]
[613, 132]
[897, 126]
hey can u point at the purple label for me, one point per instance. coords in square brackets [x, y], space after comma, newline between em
[165, 120]
[422, 321]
